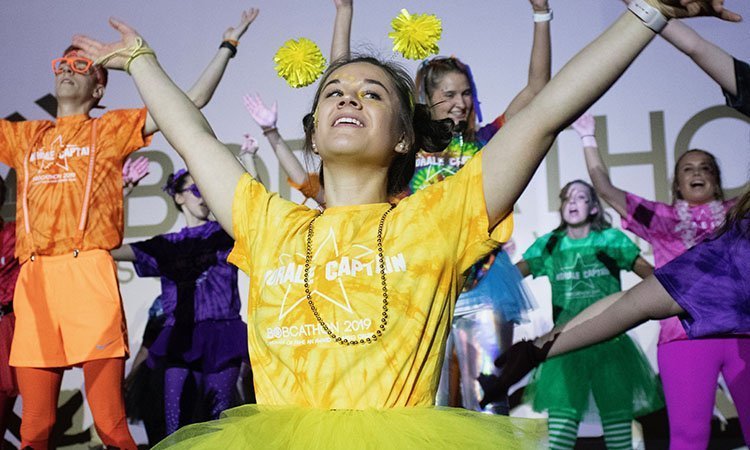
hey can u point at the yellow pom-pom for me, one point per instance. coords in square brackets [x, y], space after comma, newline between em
[299, 62]
[415, 36]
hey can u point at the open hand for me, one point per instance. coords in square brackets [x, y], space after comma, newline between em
[264, 116]
[235, 33]
[112, 55]
[691, 8]
[134, 171]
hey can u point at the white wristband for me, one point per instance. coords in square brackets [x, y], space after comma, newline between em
[589, 141]
[543, 17]
[651, 17]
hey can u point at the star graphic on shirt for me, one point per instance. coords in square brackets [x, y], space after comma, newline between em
[440, 174]
[579, 266]
[341, 297]
[57, 142]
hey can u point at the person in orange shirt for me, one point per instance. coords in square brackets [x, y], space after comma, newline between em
[69, 215]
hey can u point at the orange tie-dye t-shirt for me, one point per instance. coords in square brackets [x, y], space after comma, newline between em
[58, 167]
[429, 240]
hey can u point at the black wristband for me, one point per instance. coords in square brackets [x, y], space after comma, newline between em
[232, 48]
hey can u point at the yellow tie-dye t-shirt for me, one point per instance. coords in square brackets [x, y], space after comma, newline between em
[429, 240]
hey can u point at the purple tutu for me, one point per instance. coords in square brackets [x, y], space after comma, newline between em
[208, 346]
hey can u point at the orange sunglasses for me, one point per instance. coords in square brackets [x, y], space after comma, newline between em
[77, 64]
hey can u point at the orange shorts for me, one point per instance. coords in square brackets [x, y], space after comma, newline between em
[68, 311]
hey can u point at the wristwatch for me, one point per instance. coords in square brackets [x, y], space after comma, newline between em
[651, 17]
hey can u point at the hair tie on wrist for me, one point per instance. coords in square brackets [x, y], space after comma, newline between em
[269, 130]
[138, 49]
[231, 46]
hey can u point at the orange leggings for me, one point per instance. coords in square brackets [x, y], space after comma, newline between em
[40, 389]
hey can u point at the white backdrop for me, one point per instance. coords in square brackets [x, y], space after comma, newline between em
[662, 105]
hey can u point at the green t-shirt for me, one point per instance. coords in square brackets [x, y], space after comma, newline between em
[581, 271]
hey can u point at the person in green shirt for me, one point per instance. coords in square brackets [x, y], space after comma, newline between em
[583, 258]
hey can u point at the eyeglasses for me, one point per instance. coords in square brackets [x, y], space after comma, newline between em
[76, 63]
[193, 190]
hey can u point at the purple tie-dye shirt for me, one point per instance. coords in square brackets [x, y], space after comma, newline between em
[672, 230]
[197, 282]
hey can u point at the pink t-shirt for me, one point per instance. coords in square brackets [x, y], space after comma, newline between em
[672, 230]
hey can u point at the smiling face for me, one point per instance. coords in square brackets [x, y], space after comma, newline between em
[697, 178]
[577, 206]
[451, 97]
[357, 116]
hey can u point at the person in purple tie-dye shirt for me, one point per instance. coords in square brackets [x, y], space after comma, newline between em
[204, 341]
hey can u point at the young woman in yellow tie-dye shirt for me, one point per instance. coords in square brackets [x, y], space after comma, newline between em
[349, 309]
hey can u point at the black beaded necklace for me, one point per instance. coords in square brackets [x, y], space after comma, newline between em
[383, 319]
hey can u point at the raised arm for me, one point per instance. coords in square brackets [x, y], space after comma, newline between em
[541, 58]
[717, 63]
[203, 89]
[248, 150]
[585, 127]
[342, 29]
[266, 118]
[211, 163]
[513, 155]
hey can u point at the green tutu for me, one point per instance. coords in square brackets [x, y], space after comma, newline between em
[289, 427]
[616, 372]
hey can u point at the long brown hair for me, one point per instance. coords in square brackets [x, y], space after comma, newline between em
[598, 221]
[713, 164]
[739, 211]
[429, 75]
[419, 130]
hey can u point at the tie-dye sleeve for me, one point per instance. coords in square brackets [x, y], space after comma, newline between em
[457, 208]
[257, 213]
[488, 131]
[146, 262]
[537, 255]
[711, 282]
[622, 249]
[125, 127]
[648, 219]
[15, 139]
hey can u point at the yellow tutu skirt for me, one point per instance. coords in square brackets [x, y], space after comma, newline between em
[289, 427]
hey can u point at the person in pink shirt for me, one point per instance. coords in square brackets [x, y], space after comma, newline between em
[689, 369]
